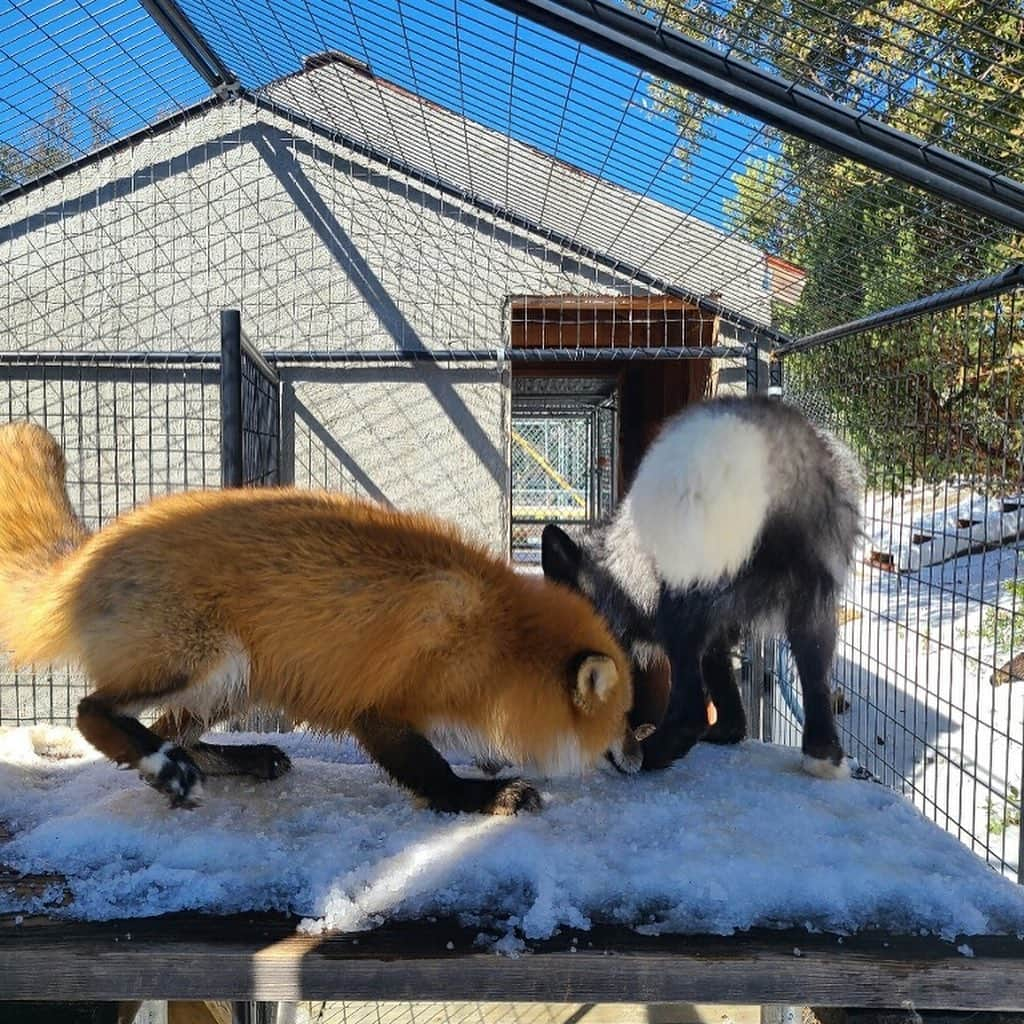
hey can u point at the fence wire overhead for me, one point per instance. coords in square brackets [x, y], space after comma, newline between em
[599, 114]
[77, 77]
[661, 144]
[674, 188]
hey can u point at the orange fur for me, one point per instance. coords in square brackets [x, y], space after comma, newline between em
[37, 528]
[325, 607]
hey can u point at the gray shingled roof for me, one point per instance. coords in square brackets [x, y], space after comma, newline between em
[491, 167]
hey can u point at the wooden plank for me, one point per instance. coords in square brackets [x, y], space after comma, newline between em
[253, 957]
[51, 888]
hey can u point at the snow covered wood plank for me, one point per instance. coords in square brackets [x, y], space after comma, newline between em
[334, 843]
[262, 957]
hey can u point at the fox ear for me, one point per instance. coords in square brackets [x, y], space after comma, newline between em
[594, 679]
[560, 556]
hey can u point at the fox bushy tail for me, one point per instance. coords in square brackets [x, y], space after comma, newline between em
[38, 530]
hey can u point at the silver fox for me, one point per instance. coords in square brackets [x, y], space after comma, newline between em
[741, 514]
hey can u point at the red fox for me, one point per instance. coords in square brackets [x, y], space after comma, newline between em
[340, 613]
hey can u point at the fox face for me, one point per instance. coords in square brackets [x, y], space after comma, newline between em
[574, 566]
[600, 695]
[565, 703]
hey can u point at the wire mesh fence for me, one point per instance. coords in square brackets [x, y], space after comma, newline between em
[415, 178]
[929, 674]
[133, 426]
[261, 421]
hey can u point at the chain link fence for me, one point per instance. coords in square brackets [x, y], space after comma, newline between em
[562, 468]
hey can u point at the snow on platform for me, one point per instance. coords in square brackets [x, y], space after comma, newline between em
[727, 839]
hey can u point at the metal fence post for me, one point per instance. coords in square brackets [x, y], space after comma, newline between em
[752, 654]
[231, 398]
[775, 377]
[753, 367]
[1020, 834]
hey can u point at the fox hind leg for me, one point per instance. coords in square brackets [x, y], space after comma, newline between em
[262, 761]
[410, 759]
[723, 689]
[165, 766]
[811, 631]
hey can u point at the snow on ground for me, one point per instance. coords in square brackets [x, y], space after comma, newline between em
[930, 523]
[727, 839]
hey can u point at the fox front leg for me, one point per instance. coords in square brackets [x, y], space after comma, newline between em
[261, 761]
[410, 759]
[730, 725]
[165, 766]
[681, 627]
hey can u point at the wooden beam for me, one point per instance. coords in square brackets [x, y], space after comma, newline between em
[262, 958]
[569, 302]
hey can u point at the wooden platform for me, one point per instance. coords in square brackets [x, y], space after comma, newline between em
[261, 957]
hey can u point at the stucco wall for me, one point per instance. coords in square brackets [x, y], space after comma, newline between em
[320, 250]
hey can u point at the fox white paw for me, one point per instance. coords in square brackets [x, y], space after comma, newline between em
[171, 771]
[824, 768]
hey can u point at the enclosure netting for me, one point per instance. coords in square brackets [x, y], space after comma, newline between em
[406, 198]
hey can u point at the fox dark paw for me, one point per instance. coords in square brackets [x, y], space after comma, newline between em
[269, 762]
[825, 759]
[513, 797]
[172, 772]
[487, 796]
[661, 749]
[725, 733]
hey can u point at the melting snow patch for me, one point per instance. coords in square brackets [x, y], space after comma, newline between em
[729, 838]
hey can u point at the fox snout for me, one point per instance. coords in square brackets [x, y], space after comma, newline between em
[627, 755]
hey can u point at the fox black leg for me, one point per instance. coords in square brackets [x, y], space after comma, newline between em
[812, 636]
[412, 762]
[165, 766]
[681, 628]
[260, 760]
[723, 689]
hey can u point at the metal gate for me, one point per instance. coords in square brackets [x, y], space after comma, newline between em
[563, 459]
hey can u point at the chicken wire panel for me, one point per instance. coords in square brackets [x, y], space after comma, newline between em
[929, 674]
[130, 432]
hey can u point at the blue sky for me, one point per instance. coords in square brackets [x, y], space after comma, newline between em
[508, 74]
